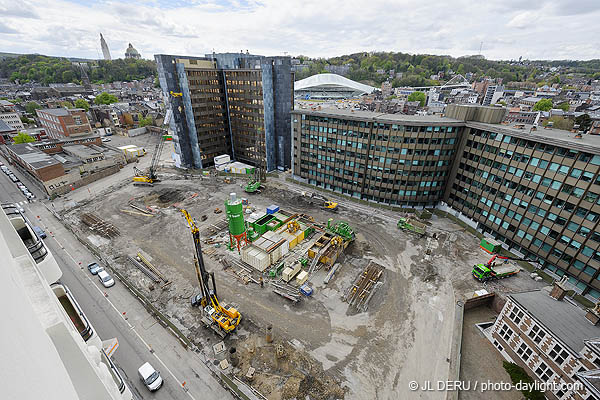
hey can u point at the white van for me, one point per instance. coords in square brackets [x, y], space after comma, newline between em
[150, 377]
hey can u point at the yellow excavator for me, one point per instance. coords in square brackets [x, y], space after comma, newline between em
[220, 317]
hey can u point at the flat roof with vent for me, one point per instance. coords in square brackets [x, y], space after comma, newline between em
[37, 159]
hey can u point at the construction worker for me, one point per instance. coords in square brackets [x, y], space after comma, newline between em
[262, 283]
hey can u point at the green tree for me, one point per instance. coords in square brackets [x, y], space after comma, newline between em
[560, 123]
[31, 107]
[563, 106]
[66, 104]
[418, 96]
[517, 374]
[144, 121]
[105, 98]
[82, 103]
[22, 137]
[543, 105]
[584, 121]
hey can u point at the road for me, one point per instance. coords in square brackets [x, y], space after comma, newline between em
[114, 312]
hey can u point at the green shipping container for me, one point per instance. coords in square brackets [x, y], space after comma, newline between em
[490, 245]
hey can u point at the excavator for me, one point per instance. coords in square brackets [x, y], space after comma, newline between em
[220, 317]
[143, 179]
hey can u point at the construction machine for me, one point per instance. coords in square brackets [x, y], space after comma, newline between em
[322, 201]
[342, 229]
[491, 271]
[220, 317]
[143, 179]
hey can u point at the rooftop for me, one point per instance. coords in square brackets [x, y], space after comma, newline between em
[566, 321]
[60, 112]
[4, 127]
[552, 136]
[376, 116]
[31, 155]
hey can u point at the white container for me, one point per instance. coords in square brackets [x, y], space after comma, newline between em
[301, 278]
[290, 272]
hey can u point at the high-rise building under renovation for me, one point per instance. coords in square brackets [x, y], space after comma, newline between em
[230, 103]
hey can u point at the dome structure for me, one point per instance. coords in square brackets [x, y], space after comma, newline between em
[330, 86]
[131, 52]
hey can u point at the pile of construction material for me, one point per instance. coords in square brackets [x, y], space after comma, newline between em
[364, 287]
[97, 224]
[265, 251]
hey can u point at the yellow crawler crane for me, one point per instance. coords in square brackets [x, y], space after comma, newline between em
[222, 318]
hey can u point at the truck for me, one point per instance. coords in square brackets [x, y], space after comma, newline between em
[491, 271]
[408, 224]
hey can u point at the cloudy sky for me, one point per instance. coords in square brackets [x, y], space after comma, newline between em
[534, 29]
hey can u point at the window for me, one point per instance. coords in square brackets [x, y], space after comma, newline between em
[536, 334]
[516, 315]
[558, 354]
[524, 352]
[506, 333]
[543, 372]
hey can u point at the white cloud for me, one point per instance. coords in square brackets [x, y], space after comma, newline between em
[318, 28]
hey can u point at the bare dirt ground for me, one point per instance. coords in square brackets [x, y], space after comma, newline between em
[330, 351]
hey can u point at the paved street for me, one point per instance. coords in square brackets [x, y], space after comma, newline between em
[114, 312]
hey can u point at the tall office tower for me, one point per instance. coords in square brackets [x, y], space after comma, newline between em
[230, 103]
[105, 51]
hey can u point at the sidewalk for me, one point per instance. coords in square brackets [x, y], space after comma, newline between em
[184, 364]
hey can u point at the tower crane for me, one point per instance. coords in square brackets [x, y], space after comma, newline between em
[221, 317]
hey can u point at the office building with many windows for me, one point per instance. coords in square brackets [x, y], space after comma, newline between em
[537, 190]
[231, 103]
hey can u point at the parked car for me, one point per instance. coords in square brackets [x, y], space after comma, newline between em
[105, 139]
[13, 178]
[20, 208]
[195, 300]
[105, 278]
[151, 377]
[21, 186]
[94, 268]
[29, 195]
[39, 232]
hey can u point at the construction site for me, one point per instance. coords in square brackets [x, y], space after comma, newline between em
[296, 297]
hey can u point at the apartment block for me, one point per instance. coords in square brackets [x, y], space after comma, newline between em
[61, 122]
[555, 341]
[13, 120]
[536, 190]
[229, 103]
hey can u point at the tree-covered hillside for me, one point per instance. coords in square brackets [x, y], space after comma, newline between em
[46, 70]
[417, 69]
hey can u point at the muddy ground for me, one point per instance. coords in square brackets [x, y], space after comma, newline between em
[331, 351]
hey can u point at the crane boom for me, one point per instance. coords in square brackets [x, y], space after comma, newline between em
[148, 179]
[227, 317]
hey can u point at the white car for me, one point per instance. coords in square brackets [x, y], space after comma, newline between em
[151, 377]
[106, 280]
[105, 139]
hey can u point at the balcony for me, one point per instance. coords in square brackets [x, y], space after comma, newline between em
[73, 310]
[114, 372]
